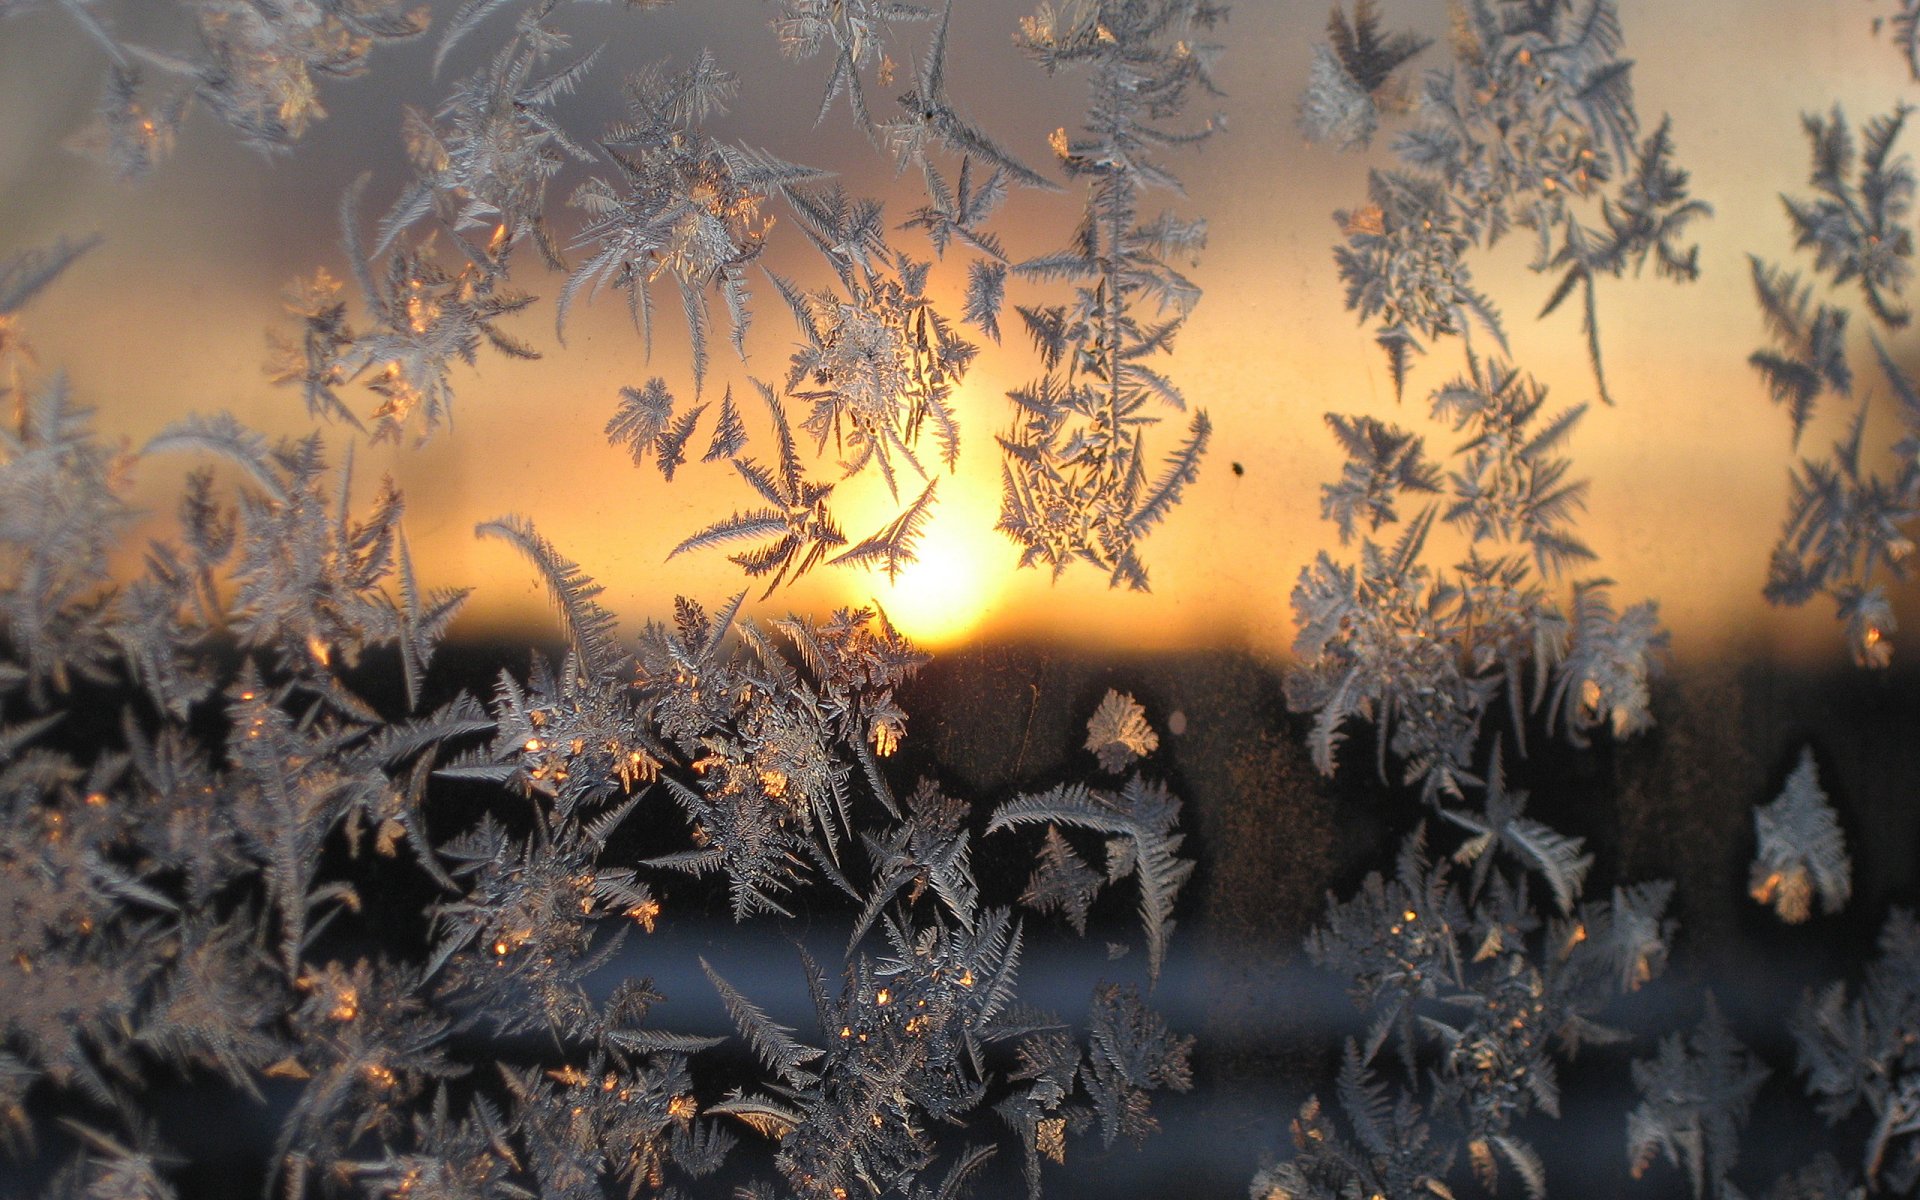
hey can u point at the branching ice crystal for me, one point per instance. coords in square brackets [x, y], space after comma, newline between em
[1140, 819]
[1424, 653]
[681, 206]
[1119, 732]
[1857, 231]
[1404, 264]
[1393, 1152]
[878, 362]
[206, 890]
[486, 156]
[257, 65]
[425, 318]
[1076, 477]
[1535, 115]
[858, 32]
[1800, 850]
[928, 118]
[1809, 356]
[1478, 993]
[1904, 29]
[1530, 123]
[1695, 1095]
[793, 512]
[1847, 524]
[1862, 1053]
[1352, 80]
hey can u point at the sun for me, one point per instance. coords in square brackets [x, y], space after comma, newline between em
[950, 590]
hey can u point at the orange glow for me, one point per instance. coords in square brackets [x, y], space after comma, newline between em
[645, 914]
[1269, 350]
[943, 597]
[962, 569]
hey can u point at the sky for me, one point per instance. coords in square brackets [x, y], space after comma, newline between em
[1688, 472]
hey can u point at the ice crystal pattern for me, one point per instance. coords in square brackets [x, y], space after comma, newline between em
[1903, 28]
[1848, 525]
[1425, 652]
[681, 207]
[197, 877]
[1526, 129]
[1535, 115]
[1858, 1053]
[1119, 732]
[256, 66]
[1695, 1095]
[1477, 994]
[425, 317]
[669, 214]
[854, 33]
[1077, 484]
[1800, 851]
[1352, 78]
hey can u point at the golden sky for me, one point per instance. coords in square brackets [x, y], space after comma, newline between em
[1688, 472]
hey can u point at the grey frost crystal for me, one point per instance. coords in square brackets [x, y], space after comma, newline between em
[485, 157]
[1801, 852]
[424, 315]
[1531, 127]
[1479, 996]
[1863, 1052]
[1352, 79]
[1530, 124]
[1424, 652]
[1695, 1095]
[257, 65]
[1859, 231]
[1139, 820]
[878, 362]
[857, 31]
[793, 515]
[1848, 524]
[1904, 28]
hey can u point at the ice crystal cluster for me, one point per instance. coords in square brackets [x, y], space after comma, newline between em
[1800, 850]
[1530, 127]
[1480, 967]
[1078, 484]
[656, 206]
[221, 769]
[255, 846]
[1847, 529]
[1471, 986]
[1474, 995]
[200, 887]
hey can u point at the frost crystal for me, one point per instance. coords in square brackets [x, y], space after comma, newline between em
[197, 885]
[1695, 1095]
[1865, 1052]
[1800, 850]
[1075, 484]
[1534, 119]
[1847, 524]
[1118, 732]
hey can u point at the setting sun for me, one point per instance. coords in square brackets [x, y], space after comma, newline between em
[961, 571]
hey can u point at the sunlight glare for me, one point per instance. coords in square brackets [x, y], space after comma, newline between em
[961, 569]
